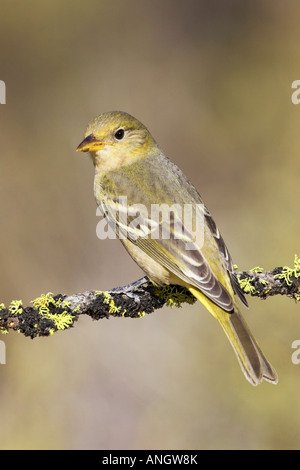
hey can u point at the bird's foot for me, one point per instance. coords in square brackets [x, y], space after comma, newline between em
[128, 290]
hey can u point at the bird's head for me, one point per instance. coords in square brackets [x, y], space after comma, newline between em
[115, 139]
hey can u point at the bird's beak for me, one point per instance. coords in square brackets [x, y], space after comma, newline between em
[90, 144]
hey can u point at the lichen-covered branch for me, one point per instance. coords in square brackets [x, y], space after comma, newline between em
[50, 313]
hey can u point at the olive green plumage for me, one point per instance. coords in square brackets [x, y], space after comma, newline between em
[129, 164]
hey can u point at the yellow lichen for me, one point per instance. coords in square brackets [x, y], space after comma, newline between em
[61, 320]
[42, 303]
[141, 314]
[287, 273]
[174, 296]
[113, 309]
[256, 270]
[16, 307]
[246, 285]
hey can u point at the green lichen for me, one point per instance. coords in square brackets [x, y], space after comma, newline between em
[287, 273]
[141, 314]
[66, 304]
[43, 302]
[246, 285]
[174, 296]
[113, 309]
[46, 302]
[16, 307]
[107, 297]
[256, 270]
[61, 320]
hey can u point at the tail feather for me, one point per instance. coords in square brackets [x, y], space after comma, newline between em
[251, 359]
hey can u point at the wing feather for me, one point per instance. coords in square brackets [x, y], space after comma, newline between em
[198, 264]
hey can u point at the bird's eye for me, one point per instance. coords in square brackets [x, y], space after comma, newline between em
[119, 134]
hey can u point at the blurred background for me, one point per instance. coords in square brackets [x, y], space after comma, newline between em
[212, 82]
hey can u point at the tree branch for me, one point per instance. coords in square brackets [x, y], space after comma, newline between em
[50, 313]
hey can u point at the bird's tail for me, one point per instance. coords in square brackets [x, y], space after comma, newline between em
[252, 361]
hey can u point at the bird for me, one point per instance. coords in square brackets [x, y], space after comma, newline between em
[131, 171]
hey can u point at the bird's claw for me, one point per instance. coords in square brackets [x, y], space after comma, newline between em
[127, 290]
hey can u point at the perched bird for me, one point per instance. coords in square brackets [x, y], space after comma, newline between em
[130, 166]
